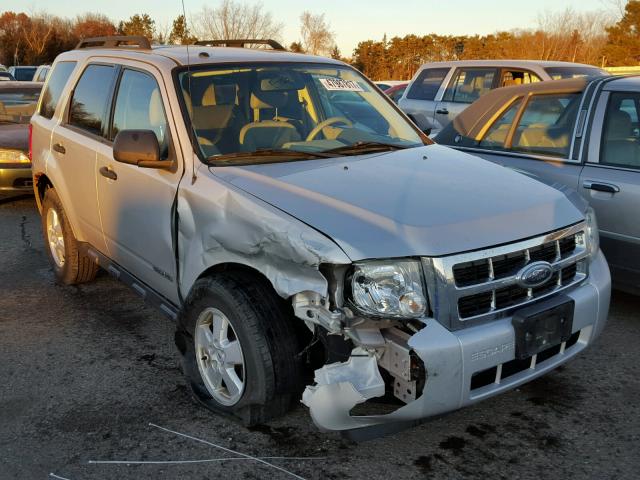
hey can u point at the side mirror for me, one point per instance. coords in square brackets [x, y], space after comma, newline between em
[138, 147]
[422, 122]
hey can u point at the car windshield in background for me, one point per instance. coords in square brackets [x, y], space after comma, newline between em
[18, 104]
[258, 113]
[560, 73]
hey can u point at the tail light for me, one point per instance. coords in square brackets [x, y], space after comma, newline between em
[30, 142]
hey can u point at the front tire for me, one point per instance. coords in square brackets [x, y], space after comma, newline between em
[239, 348]
[70, 265]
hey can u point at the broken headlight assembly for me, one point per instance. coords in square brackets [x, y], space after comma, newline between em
[389, 288]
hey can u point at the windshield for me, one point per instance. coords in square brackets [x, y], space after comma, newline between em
[559, 73]
[236, 111]
[24, 74]
[18, 104]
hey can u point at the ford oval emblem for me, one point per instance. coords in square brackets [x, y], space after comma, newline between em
[534, 274]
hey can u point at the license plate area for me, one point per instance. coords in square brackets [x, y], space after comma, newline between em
[543, 326]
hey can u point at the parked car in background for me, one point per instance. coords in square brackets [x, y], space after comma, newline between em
[41, 73]
[18, 101]
[387, 84]
[6, 77]
[582, 133]
[395, 92]
[272, 203]
[23, 74]
[442, 90]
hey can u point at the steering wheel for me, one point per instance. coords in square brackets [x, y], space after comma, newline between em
[329, 121]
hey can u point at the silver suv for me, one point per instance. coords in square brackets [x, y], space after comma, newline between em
[290, 218]
[442, 90]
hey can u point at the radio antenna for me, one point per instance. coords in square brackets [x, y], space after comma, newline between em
[191, 132]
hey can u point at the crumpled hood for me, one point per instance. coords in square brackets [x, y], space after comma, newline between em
[428, 201]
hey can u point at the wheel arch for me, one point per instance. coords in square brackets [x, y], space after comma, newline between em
[41, 183]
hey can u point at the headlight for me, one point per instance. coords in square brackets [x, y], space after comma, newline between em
[389, 288]
[592, 234]
[13, 156]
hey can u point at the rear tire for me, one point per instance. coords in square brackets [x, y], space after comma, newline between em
[261, 324]
[70, 265]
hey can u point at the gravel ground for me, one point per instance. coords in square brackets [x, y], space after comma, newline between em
[90, 373]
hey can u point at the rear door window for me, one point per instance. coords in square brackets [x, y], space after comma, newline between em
[469, 84]
[427, 84]
[51, 96]
[546, 125]
[518, 77]
[91, 98]
[621, 132]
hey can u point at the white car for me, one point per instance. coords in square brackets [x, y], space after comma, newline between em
[441, 90]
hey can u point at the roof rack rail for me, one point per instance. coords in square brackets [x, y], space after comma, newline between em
[115, 41]
[239, 43]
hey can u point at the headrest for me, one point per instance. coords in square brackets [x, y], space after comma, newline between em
[620, 125]
[156, 111]
[208, 97]
[219, 95]
[261, 100]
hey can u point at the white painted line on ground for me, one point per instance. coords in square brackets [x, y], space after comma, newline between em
[53, 475]
[207, 460]
[228, 450]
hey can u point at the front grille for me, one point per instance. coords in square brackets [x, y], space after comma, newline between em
[503, 371]
[478, 286]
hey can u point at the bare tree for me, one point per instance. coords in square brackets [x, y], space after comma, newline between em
[232, 20]
[317, 37]
[38, 33]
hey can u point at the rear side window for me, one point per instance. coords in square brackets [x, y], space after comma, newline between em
[621, 133]
[546, 125]
[470, 84]
[427, 84]
[139, 107]
[51, 96]
[497, 133]
[91, 98]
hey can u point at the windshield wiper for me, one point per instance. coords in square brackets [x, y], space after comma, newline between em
[265, 155]
[367, 147]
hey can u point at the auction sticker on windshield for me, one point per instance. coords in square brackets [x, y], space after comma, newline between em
[338, 84]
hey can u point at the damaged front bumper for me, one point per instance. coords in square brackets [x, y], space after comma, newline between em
[460, 367]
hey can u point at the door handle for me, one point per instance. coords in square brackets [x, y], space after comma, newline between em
[107, 172]
[601, 187]
[442, 111]
[58, 147]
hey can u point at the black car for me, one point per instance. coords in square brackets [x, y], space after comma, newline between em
[6, 77]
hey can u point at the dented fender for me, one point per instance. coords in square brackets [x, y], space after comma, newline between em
[218, 224]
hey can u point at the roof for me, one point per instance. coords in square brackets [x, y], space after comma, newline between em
[472, 119]
[631, 82]
[507, 63]
[199, 55]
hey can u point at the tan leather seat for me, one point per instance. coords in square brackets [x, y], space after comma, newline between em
[270, 132]
[216, 116]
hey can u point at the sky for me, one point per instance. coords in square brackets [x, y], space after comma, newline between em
[351, 20]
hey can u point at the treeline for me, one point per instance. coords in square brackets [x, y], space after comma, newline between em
[590, 37]
[39, 38]
[598, 38]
